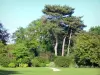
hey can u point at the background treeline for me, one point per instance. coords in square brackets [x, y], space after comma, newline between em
[56, 39]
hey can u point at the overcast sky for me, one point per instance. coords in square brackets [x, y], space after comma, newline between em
[19, 13]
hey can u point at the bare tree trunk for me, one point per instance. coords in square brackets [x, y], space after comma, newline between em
[56, 45]
[69, 42]
[63, 46]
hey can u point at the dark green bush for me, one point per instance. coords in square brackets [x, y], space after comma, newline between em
[63, 61]
[42, 60]
[42, 65]
[35, 63]
[4, 61]
[25, 60]
[39, 62]
[47, 55]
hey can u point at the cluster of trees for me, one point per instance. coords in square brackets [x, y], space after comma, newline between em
[56, 33]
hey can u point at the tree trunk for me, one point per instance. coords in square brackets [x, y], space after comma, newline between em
[69, 43]
[63, 46]
[56, 45]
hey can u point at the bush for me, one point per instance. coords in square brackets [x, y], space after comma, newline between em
[12, 65]
[42, 60]
[23, 65]
[51, 64]
[42, 65]
[39, 62]
[25, 60]
[63, 61]
[35, 63]
[4, 61]
[47, 55]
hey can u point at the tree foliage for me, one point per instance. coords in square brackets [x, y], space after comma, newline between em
[4, 35]
[56, 33]
[95, 30]
[4, 58]
[63, 18]
[87, 49]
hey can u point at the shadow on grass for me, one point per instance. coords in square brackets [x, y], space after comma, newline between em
[6, 72]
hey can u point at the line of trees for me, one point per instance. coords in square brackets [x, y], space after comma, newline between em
[56, 36]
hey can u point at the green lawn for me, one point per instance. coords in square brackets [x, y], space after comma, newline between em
[48, 71]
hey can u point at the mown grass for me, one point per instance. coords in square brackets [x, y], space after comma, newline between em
[48, 71]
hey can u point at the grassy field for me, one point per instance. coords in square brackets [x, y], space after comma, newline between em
[48, 71]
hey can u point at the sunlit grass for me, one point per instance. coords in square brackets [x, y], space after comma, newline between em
[48, 71]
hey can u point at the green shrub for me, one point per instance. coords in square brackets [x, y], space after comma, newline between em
[20, 65]
[42, 60]
[12, 65]
[63, 61]
[35, 63]
[23, 65]
[47, 65]
[4, 61]
[39, 62]
[52, 58]
[42, 65]
[25, 60]
[51, 64]
[47, 55]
